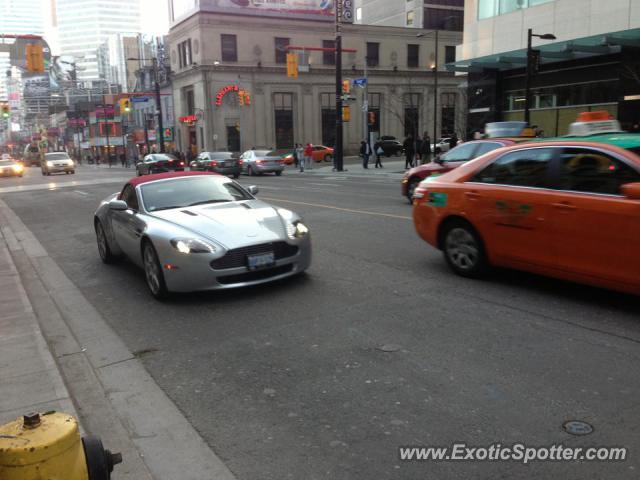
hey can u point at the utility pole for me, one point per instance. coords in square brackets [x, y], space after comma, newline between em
[365, 101]
[338, 150]
[527, 81]
[435, 98]
[160, 132]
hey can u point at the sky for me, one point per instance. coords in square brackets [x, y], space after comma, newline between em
[155, 16]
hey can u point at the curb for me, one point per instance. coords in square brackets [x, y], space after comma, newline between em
[115, 397]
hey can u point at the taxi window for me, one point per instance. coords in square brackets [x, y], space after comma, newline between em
[460, 153]
[486, 147]
[523, 168]
[584, 170]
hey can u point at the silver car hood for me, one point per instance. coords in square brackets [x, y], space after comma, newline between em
[230, 224]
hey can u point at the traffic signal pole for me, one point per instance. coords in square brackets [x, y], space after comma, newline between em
[160, 132]
[338, 150]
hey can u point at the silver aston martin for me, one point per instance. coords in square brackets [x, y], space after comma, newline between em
[200, 231]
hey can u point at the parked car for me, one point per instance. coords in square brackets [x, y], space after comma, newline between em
[57, 162]
[320, 154]
[224, 163]
[257, 162]
[391, 146]
[565, 208]
[449, 161]
[159, 163]
[200, 231]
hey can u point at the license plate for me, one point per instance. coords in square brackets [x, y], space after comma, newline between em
[255, 262]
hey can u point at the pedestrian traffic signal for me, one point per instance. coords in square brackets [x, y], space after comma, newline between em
[346, 113]
[292, 65]
[125, 105]
[6, 112]
[346, 86]
[372, 118]
[35, 58]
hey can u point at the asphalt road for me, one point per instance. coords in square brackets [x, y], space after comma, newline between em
[379, 346]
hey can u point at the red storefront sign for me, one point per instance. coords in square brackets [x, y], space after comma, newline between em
[190, 119]
[245, 97]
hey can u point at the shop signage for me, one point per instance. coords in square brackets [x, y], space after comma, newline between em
[244, 96]
[189, 119]
[168, 134]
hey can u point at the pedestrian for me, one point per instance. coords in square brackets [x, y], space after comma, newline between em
[453, 141]
[123, 159]
[300, 154]
[426, 148]
[379, 151]
[408, 152]
[365, 152]
[295, 155]
[418, 150]
[308, 156]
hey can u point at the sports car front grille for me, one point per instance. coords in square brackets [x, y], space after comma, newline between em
[238, 257]
[255, 276]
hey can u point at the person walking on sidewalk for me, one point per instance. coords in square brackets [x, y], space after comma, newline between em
[418, 155]
[426, 148]
[378, 152]
[365, 152]
[300, 152]
[308, 156]
[409, 152]
[296, 160]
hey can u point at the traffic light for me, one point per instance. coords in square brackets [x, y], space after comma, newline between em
[346, 113]
[346, 86]
[127, 105]
[35, 58]
[292, 65]
[6, 112]
[372, 118]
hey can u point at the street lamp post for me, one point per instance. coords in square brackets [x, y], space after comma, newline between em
[338, 153]
[434, 69]
[529, 71]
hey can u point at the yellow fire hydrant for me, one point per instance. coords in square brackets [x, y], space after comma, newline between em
[48, 446]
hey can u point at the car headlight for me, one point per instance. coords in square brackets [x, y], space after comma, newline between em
[192, 245]
[17, 168]
[297, 230]
[49, 164]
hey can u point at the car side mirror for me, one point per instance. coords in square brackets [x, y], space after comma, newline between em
[118, 205]
[253, 190]
[631, 190]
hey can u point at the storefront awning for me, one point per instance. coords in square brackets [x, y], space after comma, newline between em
[596, 45]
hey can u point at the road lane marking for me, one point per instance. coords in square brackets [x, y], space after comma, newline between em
[80, 192]
[326, 184]
[331, 207]
[57, 185]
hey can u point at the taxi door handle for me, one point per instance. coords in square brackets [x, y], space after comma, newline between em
[472, 195]
[564, 206]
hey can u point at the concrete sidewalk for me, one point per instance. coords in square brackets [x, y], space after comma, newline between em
[352, 168]
[58, 353]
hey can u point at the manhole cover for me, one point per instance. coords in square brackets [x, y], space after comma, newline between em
[389, 348]
[578, 428]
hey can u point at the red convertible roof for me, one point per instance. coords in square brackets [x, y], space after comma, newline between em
[135, 181]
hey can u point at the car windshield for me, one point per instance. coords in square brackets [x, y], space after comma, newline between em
[504, 129]
[266, 153]
[57, 156]
[220, 155]
[190, 191]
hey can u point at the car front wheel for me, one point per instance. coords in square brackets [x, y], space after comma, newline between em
[153, 271]
[328, 158]
[411, 187]
[103, 244]
[463, 249]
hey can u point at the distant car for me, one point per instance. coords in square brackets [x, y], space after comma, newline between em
[449, 161]
[57, 162]
[322, 153]
[224, 163]
[390, 146]
[200, 231]
[159, 163]
[6, 156]
[9, 168]
[31, 156]
[257, 162]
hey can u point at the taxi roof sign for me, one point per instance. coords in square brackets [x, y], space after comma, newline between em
[592, 123]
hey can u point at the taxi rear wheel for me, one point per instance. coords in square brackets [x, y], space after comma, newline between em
[463, 249]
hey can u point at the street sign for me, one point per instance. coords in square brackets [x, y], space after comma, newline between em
[348, 98]
[135, 99]
[361, 82]
[365, 106]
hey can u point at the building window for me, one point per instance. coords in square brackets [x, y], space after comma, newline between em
[329, 58]
[449, 54]
[410, 17]
[189, 102]
[281, 49]
[413, 56]
[374, 107]
[359, 14]
[229, 48]
[412, 103]
[443, 19]
[328, 109]
[184, 53]
[373, 54]
[448, 121]
[492, 8]
[283, 110]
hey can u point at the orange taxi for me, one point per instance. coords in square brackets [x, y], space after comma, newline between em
[566, 208]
